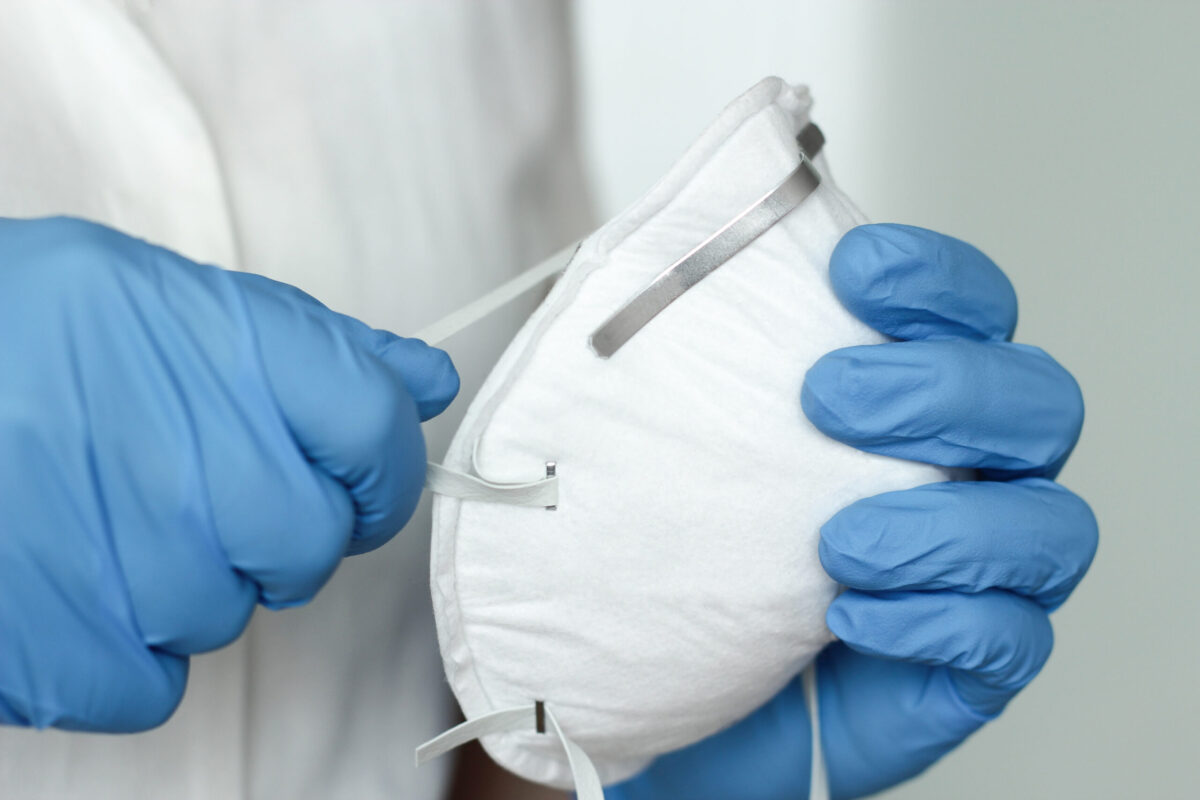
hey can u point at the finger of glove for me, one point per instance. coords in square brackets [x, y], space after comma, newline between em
[885, 721]
[995, 641]
[348, 407]
[912, 283]
[1031, 537]
[997, 406]
[428, 371]
[765, 756]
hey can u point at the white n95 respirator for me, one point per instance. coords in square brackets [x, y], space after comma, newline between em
[625, 527]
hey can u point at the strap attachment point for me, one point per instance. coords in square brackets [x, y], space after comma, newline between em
[541, 493]
[514, 720]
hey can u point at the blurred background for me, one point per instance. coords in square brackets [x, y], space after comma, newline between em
[1061, 138]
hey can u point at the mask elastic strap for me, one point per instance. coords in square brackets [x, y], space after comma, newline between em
[541, 493]
[497, 298]
[818, 781]
[583, 772]
[531, 718]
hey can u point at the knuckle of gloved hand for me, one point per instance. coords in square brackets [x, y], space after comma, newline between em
[313, 553]
[137, 692]
[155, 708]
[219, 626]
[376, 526]
[159, 705]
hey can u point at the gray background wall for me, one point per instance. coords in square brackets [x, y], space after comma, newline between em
[1061, 137]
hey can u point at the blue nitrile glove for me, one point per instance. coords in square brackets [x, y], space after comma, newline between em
[949, 586]
[177, 444]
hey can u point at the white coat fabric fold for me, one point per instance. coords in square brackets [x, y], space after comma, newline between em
[395, 160]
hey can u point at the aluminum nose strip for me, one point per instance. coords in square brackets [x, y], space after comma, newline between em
[705, 258]
[672, 283]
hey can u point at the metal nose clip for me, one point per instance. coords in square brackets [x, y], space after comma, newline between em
[714, 251]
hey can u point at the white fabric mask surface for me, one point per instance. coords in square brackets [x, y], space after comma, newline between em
[676, 585]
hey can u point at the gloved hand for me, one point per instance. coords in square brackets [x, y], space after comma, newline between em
[177, 444]
[948, 586]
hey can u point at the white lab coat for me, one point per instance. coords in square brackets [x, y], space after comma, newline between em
[393, 158]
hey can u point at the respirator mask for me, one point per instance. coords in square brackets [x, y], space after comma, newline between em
[625, 526]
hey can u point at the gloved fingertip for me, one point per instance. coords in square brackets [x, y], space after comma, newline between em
[444, 385]
[832, 383]
[828, 555]
[856, 257]
[428, 372]
[839, 619]
[913, 283]
[840, 550]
